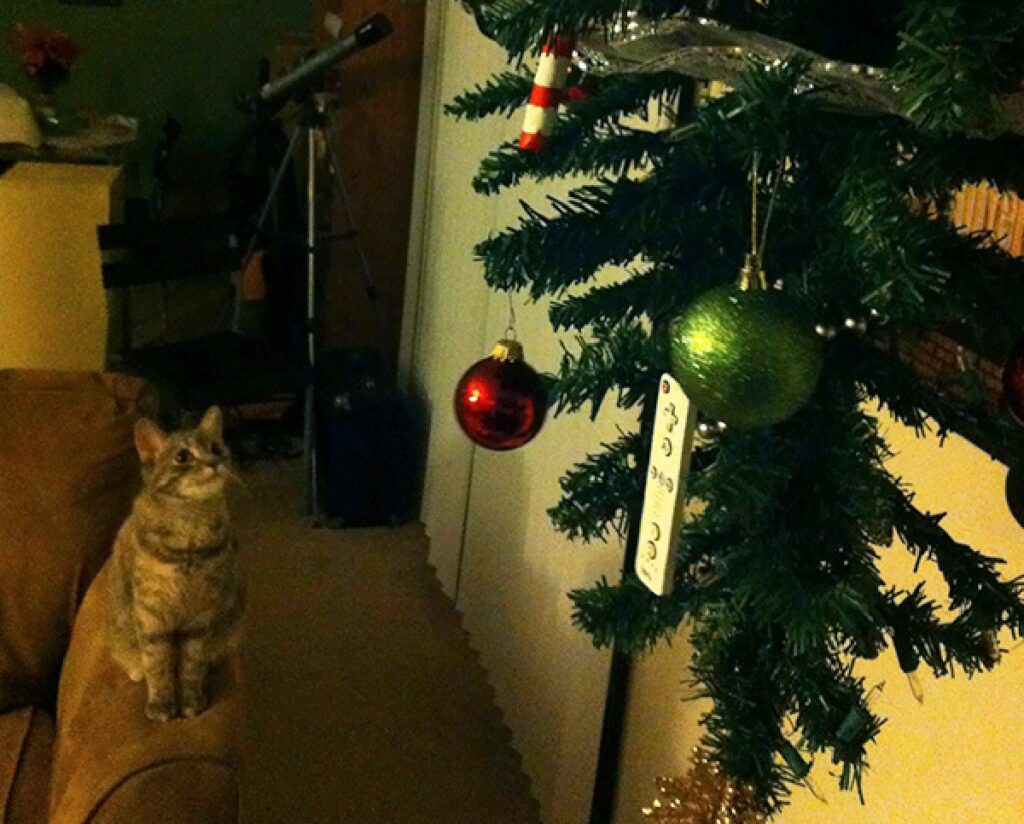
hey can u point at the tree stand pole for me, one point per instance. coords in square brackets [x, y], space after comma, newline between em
[609, 752]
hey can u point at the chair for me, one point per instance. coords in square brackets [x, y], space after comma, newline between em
[225, 368]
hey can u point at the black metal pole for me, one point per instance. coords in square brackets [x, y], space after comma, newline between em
[609, 752]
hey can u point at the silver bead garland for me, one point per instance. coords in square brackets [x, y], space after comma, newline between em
[708, 50]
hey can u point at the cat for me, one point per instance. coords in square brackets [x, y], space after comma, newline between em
[178, 591]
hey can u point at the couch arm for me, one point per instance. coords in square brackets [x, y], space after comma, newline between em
[113, 765]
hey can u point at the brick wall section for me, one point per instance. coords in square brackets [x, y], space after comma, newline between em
[938, 359]
[948, 367]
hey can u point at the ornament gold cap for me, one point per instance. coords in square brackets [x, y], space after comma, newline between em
[507, 349]
[752, 277]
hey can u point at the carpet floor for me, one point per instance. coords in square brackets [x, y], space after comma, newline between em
[365, 702]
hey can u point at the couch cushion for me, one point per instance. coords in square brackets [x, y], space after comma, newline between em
[68, 471]
[26, 752]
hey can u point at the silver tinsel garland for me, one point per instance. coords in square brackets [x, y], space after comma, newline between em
[707, 50]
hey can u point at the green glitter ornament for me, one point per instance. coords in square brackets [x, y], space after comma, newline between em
[745, 355]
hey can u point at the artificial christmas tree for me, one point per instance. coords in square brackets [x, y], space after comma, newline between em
[862, 112]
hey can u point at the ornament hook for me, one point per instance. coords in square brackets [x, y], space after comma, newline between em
[752, 277]
[510, 330]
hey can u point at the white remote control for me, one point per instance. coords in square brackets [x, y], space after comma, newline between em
[671, 447]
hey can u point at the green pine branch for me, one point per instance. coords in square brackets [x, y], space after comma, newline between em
[504, 94]
[948, 50]
[975, 588]
[599, 491]
[936, 165]
[589, 139]
[614, 152]
[832, 712]
[658, 293]
[624, 359]
[628, 614]
[549, 253]
[918, 635]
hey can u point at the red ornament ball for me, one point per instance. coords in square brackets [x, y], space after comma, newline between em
[1015, 492]
[500, 401]
[1013, 381]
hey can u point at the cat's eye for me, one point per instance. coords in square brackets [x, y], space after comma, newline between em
[182, 456]
[217, 450]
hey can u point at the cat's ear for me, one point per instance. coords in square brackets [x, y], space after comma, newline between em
[150, 439]
[212, 423]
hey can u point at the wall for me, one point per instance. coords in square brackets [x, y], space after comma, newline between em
[154, 58]
[957, 756]
[491, 542]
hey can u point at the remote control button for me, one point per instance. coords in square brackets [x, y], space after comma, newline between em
[656, 531]
[666, 447]
[654, 473]
[652, 550]
[669, 485]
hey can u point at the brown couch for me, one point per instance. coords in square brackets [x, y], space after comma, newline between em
[75, 745]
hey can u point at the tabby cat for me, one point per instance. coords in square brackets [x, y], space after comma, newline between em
[177, 588]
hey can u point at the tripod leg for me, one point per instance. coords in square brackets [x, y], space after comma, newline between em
[309, 423]
[236, 319]
[309, 452]
[339, 185]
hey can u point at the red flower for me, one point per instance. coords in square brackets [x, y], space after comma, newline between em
[33, 59]
[62, 49]
[45, 53]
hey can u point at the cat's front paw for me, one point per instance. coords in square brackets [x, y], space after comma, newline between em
[161, 710]
[193, 703]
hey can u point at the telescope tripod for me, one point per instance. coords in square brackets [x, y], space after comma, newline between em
[314, 127]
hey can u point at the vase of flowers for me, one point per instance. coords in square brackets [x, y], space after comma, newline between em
[46, 56]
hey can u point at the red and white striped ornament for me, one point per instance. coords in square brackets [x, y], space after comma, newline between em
[548, 92]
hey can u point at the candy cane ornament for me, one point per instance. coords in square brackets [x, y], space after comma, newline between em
[548, 92]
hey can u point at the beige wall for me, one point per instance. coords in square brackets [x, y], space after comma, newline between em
[956, 758]
[491, 541]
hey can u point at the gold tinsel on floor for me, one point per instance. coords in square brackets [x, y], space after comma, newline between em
[704, 796]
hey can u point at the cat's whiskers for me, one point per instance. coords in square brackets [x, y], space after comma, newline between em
[230, 474]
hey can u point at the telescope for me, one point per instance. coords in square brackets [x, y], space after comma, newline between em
[301, 83]
[371, 31]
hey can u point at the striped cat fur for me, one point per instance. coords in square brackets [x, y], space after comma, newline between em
[177, 587]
